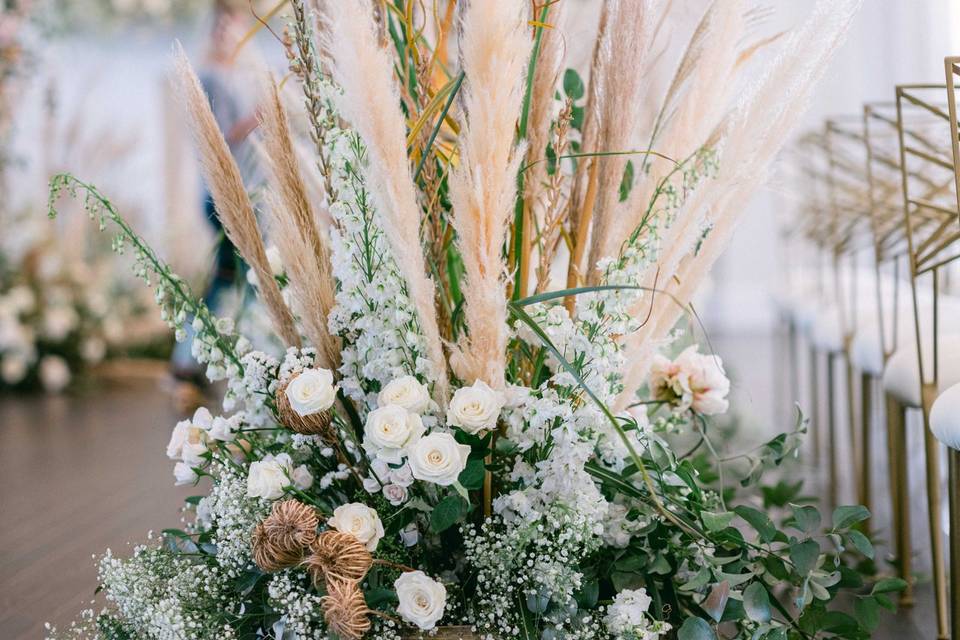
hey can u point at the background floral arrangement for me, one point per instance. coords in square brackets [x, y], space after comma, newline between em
[475, 425]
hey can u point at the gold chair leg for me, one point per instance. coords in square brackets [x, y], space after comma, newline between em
[866, 442]
[900, 495]
[855, 445]
[815, 424]
[934, 503]
[953, 477]
[834, 474]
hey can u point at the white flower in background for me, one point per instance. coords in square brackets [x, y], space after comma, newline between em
[390, 431]
[312, 391]
[267, 478]
[20, 299]
[188, 442]
[93, 349]
[707, 380]
[276, 266]
[628, 611]
[438, 458]
[422, 599]
[410, 535]
[59, 321]
[184, 474]
[406, 392]
[475, 408]
[302, 478]
[13, 368]
[360, 521]
[54, 373]
[395, 494]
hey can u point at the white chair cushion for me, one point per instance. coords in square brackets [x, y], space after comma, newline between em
[945, 417]
[901, 379]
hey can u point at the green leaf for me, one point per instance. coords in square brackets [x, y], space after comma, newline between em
[759, 521]
[756, 602]
[867, 612]
[804, 556]
[573, 84]
[717, 521]
[861, 542]
[378, 597]
[889, 585]
[447, 512]
[695, 629]
[807, 518]
[847, 516]
[588, 595]
[472, 476]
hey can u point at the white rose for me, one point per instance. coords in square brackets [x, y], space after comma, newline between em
[410, 535]
[407, 392]
[401, 476]
[184, 474]
[422, 599]
[395, 494]
[389, 431]
[312, 391]
[438, 458]
[188, 442]
[360, 521]
[54, 373]
[475, 408]
[302, 478]
[267, 478]
[708, 381]
[224, 429]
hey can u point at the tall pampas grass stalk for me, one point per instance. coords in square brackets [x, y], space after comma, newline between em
[230, 198]
[293, 226]
[750, 141]
[363, 69]
[494, 49]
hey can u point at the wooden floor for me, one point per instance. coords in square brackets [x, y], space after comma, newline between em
[78, 474]
[85, 472]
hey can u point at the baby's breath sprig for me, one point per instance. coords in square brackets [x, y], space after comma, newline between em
[215, 340]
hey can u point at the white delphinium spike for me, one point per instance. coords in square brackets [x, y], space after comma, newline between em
[494, 50]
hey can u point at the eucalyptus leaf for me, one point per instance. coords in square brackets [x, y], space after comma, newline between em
[759, 521]
[804, 556]
[717, 521]
[696, 629]
[806, 518]
[847, 516]
[861, 542]
[756, 602]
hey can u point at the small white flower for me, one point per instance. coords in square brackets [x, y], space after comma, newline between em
[360, 521]
[475, 408]
[422, 599]
[54, 373]
[395, 494]
[312, 391]
[406, 392]
[410, 535]
[438, 458]
[389, 431]
[302, 478]
[628, 611]
[267, 478]
[184, 474]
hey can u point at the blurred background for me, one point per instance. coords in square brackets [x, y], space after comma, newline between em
[92, 97]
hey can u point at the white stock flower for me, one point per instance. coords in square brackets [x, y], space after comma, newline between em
[184, 474]
[312, 391]
[475, 408]
[267, 478]
[54, 373]
[407, 392]
[708, 381]
[422, 599]
[438, 458]
[390, 431]
[629, 610]
[360, 521]
[188, 442]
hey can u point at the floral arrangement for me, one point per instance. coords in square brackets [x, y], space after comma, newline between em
[475, 429]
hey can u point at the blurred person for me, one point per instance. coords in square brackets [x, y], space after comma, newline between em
[233, 102]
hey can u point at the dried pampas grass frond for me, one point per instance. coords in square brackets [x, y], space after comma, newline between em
[363, 69]
[749, 142]
[494, 48]
[230, 198]
[293, 227]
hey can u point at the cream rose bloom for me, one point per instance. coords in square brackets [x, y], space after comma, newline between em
[267, 478]
[438, 458]
[707, 381]
[389, 431]
[312, 391]
[406, 392]
[184, 474]
[422, 599]
[360, 521]
[475, 408]
[189, 439]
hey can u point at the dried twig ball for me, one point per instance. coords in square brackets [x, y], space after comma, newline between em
[345, 610]
[281, 540]
[337, 557]
[311, 425]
